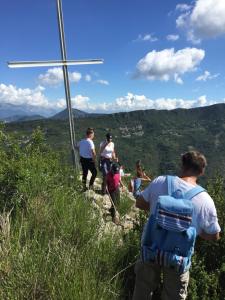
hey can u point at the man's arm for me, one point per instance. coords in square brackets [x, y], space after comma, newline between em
[209, 237]
[142, 204]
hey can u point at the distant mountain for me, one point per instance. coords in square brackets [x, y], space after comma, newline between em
[26, 118]
[76, 113]
[11, 113]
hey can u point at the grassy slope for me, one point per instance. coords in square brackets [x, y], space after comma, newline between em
[52, 250]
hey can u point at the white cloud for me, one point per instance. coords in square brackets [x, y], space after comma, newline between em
[168, 64]
[132, 102]
[88, 78]
[75, 76]
[39, 102]
[177, 79]
[206, 76]
[17, 96]
[101, 81]
[183, 7]
[54, 77]
[147, 37]
[172, 37]
[205, 20]
[79, 102]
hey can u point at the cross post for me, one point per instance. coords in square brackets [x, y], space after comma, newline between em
[64, 63]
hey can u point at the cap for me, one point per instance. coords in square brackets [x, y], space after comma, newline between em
[108, 136]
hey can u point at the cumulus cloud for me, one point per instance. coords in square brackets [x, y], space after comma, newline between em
[103, 82]
[172, 37]
[79, 102]
[54, 77]
[87, 78]
[75, 76]
[206, 76]
[168, 64]
[131, 102]
[146, 37]
[17, 96]
[205, 20]
[183, 7]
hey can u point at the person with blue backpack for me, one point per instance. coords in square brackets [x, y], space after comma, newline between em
[180, 210]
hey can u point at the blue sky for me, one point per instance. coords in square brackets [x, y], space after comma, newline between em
[158, 54]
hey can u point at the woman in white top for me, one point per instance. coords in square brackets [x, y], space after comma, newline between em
[107, 154]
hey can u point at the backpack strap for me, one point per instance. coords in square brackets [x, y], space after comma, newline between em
[189, 194]
[193, 192]
[170, 184]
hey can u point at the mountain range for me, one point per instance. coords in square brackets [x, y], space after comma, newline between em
[157, 137]
[19, 113]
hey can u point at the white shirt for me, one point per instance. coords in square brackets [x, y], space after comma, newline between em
[204, 215]
[108, 150]
[85, 148]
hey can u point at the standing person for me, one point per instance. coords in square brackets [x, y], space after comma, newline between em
[87, 158]
[107, 154]
[169, 236]
[114, 182]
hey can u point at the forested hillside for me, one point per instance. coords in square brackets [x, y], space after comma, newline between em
[156, 137]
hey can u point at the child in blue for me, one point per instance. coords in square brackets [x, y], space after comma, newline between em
[140, 177]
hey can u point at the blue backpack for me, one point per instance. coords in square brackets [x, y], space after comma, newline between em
[169, 238]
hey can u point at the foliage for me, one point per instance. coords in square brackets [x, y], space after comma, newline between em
[157, 137]
[51, 240]
[51, 243]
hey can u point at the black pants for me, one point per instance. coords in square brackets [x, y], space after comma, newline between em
[88, 165]
[105, 168]
[115, 196]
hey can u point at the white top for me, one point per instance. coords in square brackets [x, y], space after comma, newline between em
[108, 150]
[122, 172]
[85, 148]
[204, 215]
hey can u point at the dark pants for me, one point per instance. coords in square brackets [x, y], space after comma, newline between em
[115, 196]
[105, 168]
[88, 165]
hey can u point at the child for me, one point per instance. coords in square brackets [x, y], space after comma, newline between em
[140, 176]
[114, 182]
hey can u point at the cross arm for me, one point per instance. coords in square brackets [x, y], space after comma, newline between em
[53, 63]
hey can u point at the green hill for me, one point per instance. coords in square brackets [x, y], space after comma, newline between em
[156, 137]
[54, 245]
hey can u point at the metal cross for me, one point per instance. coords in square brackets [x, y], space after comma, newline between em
[64, 63]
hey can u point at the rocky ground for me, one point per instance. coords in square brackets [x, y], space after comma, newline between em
[102, 205]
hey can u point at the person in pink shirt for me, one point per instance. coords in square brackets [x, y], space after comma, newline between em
[113, 180]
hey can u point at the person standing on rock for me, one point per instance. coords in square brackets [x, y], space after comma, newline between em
[87, 158]
[113, 180]
[107, 154]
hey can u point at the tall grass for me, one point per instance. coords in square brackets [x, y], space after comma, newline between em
[51, 241]
[53, 248]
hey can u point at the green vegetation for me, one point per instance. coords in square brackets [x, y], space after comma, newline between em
[50, 237]
[156, 137]
[51, 241]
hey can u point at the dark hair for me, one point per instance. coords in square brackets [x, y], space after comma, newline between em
[90, 130]
[108, 136]
[115, 168]
[193, 162]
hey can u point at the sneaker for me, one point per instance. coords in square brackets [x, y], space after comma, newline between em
[116, 220]
[84, 189]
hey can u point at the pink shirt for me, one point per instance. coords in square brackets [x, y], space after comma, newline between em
[113, 181]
